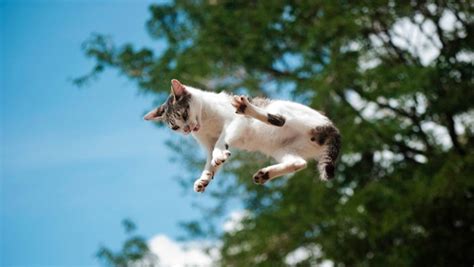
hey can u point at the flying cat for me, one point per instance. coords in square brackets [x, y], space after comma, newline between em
[289, 132]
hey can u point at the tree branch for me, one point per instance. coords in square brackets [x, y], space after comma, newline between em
[415, 120]
[401, 145]
[452, 134]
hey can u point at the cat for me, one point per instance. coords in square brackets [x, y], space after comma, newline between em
[289, 132]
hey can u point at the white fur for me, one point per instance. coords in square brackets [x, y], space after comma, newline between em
[290, 145]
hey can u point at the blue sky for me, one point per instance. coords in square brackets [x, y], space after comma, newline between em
[75, 162]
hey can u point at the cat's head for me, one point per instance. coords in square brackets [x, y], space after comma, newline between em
[181, 111]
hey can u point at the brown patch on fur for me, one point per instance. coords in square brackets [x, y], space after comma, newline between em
[329, 137]
[320, 134]
[241, 109]
[160, 110]
[276, 120]
[175, 108]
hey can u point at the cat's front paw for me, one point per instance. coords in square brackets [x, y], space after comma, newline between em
[241, 103]
[261, 177]
[220, 158]
[201, 183]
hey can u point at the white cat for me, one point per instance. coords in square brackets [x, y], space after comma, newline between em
[289, 132]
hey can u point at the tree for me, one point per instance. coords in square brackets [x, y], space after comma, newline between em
[403, 192]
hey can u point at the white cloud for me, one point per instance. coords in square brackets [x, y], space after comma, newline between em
[233, 224]
[418, 36]
[173, 253]
[422, 42]
[303, 253]
[179, 254]
[465, 56]
[368, 110]
[439, 132]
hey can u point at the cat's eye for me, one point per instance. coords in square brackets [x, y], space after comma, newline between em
[185, 116]
[174, 128]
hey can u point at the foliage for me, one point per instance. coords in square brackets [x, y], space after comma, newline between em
[134, 252]
[403, 193]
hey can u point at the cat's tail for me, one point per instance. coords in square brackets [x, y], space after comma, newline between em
[329, 138]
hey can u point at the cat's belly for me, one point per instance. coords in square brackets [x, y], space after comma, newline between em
[275, 141]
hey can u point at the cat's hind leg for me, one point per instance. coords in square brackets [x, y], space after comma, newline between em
[289, 164]
[245, 107]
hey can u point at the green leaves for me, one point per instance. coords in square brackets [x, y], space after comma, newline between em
[134, 251]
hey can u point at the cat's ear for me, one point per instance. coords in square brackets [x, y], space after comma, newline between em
[177, 89]
[156, 114]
